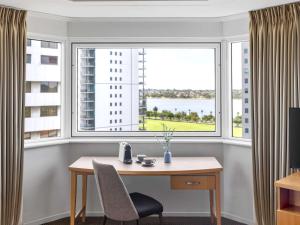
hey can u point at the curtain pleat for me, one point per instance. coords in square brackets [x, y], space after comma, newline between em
[12, 78]
[275, 72]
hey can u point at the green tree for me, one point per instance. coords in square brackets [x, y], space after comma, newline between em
[149, 114]
[155, 109]
[237, 120]
[194, 116]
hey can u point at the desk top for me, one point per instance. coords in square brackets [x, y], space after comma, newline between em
[291, 182]
[178, 166]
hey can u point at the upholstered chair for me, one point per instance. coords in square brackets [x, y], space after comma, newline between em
[117, 203]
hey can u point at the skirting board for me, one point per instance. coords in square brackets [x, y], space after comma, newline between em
[179, 214]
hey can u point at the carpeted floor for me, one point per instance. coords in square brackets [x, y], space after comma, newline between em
[149, 221]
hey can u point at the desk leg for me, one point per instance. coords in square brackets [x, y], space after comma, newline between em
[218, 199]
[211, 200]
[73, 198]
[84, 187]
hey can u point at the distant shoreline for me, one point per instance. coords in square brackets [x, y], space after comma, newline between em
[185, 98]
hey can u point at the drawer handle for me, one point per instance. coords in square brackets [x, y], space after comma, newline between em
[192, 182]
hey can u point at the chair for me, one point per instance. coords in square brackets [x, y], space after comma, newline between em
[117, 203]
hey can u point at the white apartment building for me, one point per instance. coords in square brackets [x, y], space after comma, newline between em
[246, 91]
[42, 97]
[110, 80]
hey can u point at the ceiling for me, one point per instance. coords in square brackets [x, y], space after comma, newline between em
[145, 8]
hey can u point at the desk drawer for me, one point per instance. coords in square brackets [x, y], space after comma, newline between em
[193, 182]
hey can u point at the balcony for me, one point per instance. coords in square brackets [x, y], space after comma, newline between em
[42, 123]
[42, 99]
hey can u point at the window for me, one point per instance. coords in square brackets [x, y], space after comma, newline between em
[28, 58]
[49, 87]
[27, 112]
[49, 60]
[240, 90]
[42, 108]
[178, 86]
[48, 133]
[27, 87]
[48, 111]
[49, 44]
[27, 136]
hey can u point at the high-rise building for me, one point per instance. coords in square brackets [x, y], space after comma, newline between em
[109, 85]
[42, 89]
[246, 91]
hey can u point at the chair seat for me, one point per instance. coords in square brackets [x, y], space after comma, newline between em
[145, 205]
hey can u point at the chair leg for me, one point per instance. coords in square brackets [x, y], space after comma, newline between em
[160, 218]
[122, 222]
[137, 222]
[104, 220]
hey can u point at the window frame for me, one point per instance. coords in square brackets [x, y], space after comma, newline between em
[74, 80]
[229, 56]
[63, 88]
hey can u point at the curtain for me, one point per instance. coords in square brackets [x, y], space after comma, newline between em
[275, 70]
[12, 76]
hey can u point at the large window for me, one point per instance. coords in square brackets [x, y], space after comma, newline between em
[42, 87]
[240, 90]
[134, 90]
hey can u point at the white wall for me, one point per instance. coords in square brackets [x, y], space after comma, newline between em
[46, 178]
[145, 28]
[46, 181]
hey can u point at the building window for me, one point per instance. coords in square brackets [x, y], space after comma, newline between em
[28, 58]
[48, 111]
[44, 111]
[48, 133]
[27, 112]
[240, 89]
[184, 97]
[49, 87]
[49, 60]
[27, 86]
[27, 136]
[49, 44]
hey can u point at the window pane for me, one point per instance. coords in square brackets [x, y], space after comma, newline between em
[28, 58]
[138, 89]
[49, 87]
[27, 87]
[49, 60]
[49, 44]
[48, 111]
[240, 90]
[27, 112]
[48, 133]
[42, 87]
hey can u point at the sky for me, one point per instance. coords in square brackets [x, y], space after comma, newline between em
[188, 68]
[236, 66]
[180, 69]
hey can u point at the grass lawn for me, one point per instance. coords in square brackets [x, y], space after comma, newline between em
[237, 132]
[156, 125]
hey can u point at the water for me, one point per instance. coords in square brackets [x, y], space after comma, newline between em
[201, 106]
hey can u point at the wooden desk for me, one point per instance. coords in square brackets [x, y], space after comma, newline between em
[288, 200]
[186, 173]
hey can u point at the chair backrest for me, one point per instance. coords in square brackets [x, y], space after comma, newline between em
[114, 197]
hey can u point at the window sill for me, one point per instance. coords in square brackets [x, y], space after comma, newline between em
[52, 142]
[237, 142]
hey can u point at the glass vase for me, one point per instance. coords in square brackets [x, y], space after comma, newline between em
[167, 154]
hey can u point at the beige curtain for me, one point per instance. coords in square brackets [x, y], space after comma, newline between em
[12, 75]
[275, 69]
